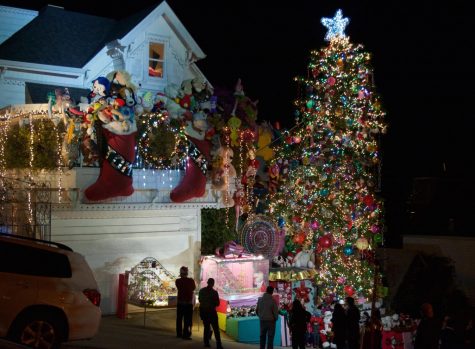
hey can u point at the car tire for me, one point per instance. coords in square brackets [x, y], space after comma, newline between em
[40, 331]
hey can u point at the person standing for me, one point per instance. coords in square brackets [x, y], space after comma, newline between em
[267, 311]
[339, 326]
[427, 333]
[209, 300]
[298, 320]
[184, 308]
[352, 324]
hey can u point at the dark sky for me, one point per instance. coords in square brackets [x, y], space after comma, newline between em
[421, 54]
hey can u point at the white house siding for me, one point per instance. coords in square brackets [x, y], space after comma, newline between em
[114, 240]
[136, 59]
[11, 92]
[13, 19]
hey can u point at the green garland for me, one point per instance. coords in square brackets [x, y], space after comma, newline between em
[45, 145]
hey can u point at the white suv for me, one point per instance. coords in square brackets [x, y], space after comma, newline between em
[48, 293]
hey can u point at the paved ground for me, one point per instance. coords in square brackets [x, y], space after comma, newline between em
[158, 332]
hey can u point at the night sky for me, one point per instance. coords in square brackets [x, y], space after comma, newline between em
[421, 56]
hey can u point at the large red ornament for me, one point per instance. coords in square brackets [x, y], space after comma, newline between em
[368, 200]
[325, 241]
[349, 290]
[299, 238]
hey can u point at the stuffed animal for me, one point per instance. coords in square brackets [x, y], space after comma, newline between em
[326, 334]
[273, 178]
[119, 129]
[223, 176]
[263, 142]
[386, 321]
[197, 127]
[258, 279]
[305, 259]
[234, 123]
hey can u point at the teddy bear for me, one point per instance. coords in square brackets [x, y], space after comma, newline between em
[223, 176]
[304, 259]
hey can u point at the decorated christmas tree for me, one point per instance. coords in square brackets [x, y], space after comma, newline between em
[329, 167]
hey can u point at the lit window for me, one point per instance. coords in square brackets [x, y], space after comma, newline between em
[156, 57]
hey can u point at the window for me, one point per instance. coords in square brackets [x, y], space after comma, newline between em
[27, 260]
[156, 56]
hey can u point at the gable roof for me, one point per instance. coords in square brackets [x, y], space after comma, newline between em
[65, 38]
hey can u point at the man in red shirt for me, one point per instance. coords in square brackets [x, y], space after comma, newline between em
[184, 308]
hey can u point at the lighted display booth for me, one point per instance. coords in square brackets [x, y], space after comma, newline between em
[239, 282]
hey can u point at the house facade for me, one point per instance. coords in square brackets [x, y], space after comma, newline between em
[53, 47]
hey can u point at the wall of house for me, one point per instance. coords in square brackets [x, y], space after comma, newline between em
[114, 241]
[11, 92]
[136, 59]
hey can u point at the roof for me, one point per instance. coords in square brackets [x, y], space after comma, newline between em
[65, 38]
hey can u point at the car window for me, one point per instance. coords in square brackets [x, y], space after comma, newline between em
[22, 259]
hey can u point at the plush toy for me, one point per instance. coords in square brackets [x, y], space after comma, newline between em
[194, 183]
[223, 176]
[305, 259]
[100, 89]
[258, 279]
[234, 123]
[198, 126]
[263, 142]
[278, 261]
[119, 130]
[326, 334]
[273, 178]
[386, 321]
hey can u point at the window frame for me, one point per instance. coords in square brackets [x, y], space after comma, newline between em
[150, 40]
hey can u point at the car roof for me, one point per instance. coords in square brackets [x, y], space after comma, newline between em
[34, 242]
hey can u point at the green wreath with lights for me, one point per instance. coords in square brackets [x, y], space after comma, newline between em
[162, 143]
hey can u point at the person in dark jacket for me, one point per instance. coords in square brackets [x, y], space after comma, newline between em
[448, 336]
[427, 333]
[339, 326]
[298, 320]
[268, 312]
[352, 324]
[184, 308]
[209, 300]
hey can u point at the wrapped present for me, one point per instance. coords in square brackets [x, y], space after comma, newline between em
[285, 337]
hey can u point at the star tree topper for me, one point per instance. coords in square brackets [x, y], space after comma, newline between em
[336, 26]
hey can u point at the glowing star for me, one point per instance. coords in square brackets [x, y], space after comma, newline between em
[336, 26]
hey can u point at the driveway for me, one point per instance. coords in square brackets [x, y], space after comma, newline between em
[155, 330]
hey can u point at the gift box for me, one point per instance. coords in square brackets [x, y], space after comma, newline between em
[285, 338]
[304, 291]
[247, 330]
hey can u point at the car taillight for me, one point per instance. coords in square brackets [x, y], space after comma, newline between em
[93, 295]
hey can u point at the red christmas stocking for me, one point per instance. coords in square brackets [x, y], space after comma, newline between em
[115, 178]
[193, 184]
